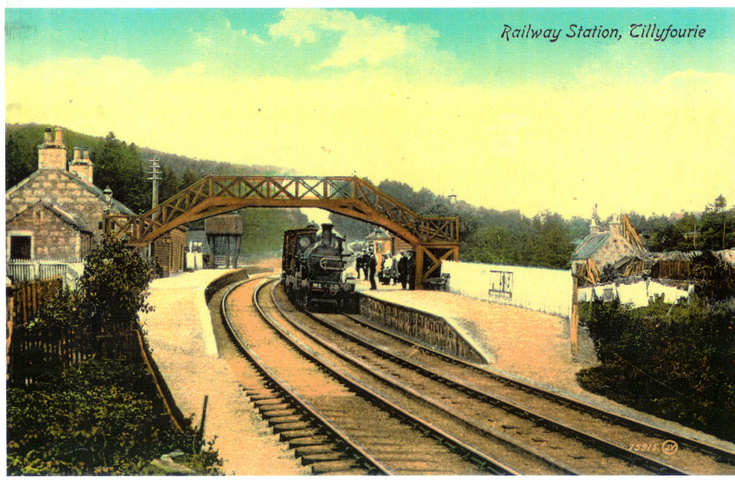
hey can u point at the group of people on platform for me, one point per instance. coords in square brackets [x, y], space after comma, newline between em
[396, 269]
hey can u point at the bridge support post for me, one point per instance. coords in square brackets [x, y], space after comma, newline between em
[429, 258]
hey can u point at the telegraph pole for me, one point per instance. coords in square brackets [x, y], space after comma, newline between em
[155, 175]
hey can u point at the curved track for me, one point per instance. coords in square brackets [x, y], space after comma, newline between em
[575, 436]
[331, 421]
[346, 397]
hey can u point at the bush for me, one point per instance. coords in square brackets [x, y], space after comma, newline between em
[100, 416]
[110, 293]
[671, 361]
[95, 418]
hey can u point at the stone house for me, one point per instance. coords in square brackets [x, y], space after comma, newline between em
[620, 249]
[56, 213]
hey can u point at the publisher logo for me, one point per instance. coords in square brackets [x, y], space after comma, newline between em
[669, 447]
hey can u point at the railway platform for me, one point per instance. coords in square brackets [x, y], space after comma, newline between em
[522, 344]
[180, 335]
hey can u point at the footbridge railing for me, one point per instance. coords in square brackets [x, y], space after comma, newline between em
[434, 238]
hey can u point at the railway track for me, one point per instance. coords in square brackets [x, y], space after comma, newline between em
[572, 435]
[334, 424]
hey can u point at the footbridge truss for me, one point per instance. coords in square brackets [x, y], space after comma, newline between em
[434, 239]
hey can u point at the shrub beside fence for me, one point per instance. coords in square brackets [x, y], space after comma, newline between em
[34, 354]
[540, 289]
[27, 297]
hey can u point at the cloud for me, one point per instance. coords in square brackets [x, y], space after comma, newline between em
[371, 42]
[691, 79]
[644, 148]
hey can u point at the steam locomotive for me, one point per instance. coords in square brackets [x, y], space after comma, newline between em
[312, 266]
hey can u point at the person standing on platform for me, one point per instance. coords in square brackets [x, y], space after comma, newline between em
[372, 265]
[403, 269]
[365, 263]
[411, 271]
[359, 261]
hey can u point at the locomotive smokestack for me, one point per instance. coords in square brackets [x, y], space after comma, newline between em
[326, 233]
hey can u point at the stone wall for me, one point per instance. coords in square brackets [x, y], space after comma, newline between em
[431, 330]
[614, 248]
[56, 187]
[52, 237]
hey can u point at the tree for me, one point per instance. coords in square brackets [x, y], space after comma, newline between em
[17, 166]
[718, 226]
[114, 282]
[121, 168]
[169, 184]
[551, 243]
[188, 179]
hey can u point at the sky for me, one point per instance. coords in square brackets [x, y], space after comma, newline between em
[598, 108]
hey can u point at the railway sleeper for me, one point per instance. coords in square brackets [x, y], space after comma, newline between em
[284, 427]
[279, 413]
[263, 396]
[333, 466]
[288, 435]
[269, 401]
[314, 449]
[308, 441]
[273, 407]
[352, 471]
[283, 420]
[321, 457]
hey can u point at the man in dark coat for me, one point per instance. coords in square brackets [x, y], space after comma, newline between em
[365, 263]
[411, 271]
[372, 265]
[403, 269]
[359, 263]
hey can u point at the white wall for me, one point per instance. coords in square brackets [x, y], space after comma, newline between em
[638, 294]
[540, 289]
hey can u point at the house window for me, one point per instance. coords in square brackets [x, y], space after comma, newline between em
[20, 247]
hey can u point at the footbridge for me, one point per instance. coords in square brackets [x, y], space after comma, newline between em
[434, 239]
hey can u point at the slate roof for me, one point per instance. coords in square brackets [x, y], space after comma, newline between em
[64, 216]
[590, 245]
[87, 186]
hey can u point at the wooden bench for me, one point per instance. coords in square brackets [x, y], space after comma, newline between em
[437, 283]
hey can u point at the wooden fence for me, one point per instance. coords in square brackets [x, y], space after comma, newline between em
[34, 354]
[27, 298]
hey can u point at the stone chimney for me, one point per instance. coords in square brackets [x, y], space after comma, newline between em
[615, 225]
[326, 233]
[81, 166]
[594, 227]
[52, 155]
